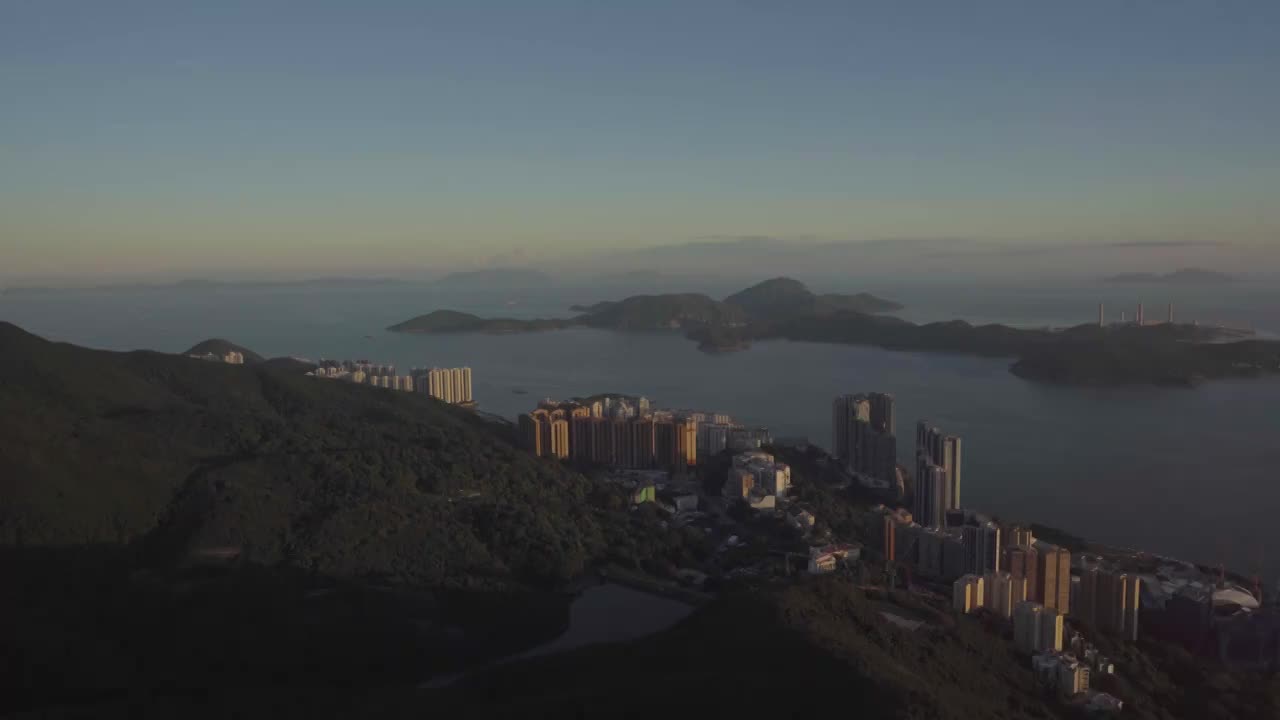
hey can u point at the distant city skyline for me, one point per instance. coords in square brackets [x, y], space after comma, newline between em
[158, 139]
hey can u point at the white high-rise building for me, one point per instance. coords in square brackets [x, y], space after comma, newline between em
[451, 385]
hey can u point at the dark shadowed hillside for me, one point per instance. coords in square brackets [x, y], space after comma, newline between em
[112, 447]
[821, 644]
[169, 522]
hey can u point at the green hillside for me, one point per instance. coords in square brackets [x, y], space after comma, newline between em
[116, 447]
[167, 522]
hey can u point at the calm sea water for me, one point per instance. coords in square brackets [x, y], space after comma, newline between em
[1189, 472]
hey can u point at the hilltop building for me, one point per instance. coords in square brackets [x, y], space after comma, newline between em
[826, 558]
[231, 357]
[768, 475]
[1065, 673]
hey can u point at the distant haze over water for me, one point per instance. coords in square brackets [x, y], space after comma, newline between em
[1188, 472]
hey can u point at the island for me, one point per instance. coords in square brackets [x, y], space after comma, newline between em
[452, 321]
[783, 297]
[220, 348]
[784, 309]
[778, 298]
[1184, 276]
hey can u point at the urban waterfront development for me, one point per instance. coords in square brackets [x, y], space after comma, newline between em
[913, 531]
[1119, 443]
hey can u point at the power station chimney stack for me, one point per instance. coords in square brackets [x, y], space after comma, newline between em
[1102, 316]
[1139, 314]
[1170, 313]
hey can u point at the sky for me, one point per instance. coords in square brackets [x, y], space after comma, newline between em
[253, 138]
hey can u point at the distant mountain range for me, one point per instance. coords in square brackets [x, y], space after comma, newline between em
[1185, 276]
[771, 299]
[783, 308]
[505, 278]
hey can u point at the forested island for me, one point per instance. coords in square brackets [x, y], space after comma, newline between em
[783, 308]
[452, 321]
[218, 346]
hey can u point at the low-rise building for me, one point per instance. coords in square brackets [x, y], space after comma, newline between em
[739, 484]
[1102, 703]
[826, 558]
[685, 503]
[770, 476]
[643, 494]
[802, 520]
[1065, 673]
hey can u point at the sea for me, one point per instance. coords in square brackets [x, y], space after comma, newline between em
[1188, 472]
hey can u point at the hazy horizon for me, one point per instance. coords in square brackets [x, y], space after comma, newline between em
[251, 140]
[750, 260]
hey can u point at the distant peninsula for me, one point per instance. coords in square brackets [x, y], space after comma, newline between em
[1185, 276]
[783, 308]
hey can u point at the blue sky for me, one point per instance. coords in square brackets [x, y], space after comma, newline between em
[188, 138]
